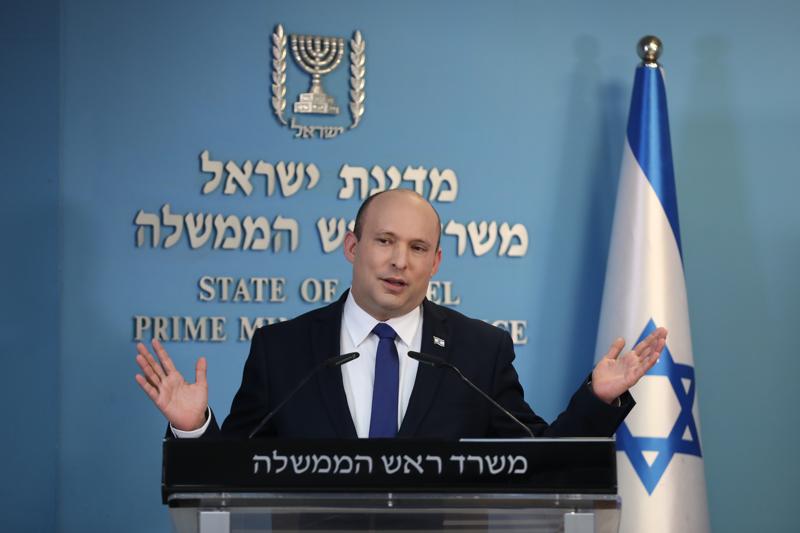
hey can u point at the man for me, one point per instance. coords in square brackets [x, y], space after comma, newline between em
[394, 250]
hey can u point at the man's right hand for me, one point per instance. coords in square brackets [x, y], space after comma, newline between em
[184, 404]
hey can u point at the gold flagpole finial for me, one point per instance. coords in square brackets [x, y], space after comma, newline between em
[649, 49]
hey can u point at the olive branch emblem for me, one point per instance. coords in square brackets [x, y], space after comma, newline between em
[357, 71]
[279, 73]
[357, 77]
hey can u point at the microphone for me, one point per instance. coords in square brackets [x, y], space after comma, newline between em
[438, 362]
[331, 362]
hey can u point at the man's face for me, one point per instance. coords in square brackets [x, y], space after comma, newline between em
[396, 255]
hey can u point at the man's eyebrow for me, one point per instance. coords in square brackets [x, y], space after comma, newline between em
[389, 233]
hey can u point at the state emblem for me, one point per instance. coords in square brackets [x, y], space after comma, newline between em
[317, 56]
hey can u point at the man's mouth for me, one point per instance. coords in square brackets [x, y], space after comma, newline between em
[394, 282]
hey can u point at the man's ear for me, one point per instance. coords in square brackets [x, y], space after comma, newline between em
[350, 243]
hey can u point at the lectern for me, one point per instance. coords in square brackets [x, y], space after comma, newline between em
[540, 485]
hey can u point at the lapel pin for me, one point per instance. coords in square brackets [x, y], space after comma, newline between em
[438, 342]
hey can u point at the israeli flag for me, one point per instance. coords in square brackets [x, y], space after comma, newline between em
[659, 451]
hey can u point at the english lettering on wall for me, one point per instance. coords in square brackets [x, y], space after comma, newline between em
[179, 328]
[245, 290]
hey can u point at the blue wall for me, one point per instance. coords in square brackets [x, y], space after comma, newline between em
[29, 317]
[526, 101]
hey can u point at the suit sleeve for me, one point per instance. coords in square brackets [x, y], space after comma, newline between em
[585, 416]
[251, 402]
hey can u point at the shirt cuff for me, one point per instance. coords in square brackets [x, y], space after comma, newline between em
[195, 433]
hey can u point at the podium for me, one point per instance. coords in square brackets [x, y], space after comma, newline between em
[540, 485]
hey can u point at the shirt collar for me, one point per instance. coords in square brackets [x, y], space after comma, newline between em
[359, 323]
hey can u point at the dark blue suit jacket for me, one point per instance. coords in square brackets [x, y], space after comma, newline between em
[441, 406]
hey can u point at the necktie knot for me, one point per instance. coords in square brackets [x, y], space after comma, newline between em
[384, 331]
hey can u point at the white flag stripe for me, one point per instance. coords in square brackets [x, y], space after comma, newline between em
[644, 276]
[668, 510]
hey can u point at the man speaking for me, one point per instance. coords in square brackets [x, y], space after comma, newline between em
[394, 250]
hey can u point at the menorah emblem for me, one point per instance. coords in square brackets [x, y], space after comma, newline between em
[317, 56]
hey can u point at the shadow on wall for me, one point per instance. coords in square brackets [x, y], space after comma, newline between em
[29, 329]
[587, 177]
[101, 427]
[725, 285]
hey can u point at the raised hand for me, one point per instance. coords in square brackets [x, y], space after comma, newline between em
[184, 404]
[615, 374]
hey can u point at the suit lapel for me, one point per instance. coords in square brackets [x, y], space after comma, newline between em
[435, 341]
[325, 333]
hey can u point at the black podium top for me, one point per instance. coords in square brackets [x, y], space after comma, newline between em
[585, 466]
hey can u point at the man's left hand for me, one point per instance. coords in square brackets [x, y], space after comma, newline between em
[615, 374]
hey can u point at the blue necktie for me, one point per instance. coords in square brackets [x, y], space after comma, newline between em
[383, 421]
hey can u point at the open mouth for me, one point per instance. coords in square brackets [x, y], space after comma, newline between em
[394, 282]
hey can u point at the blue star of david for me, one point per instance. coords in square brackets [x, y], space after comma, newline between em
[667, 447]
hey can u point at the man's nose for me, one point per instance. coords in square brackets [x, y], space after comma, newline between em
[400, 256]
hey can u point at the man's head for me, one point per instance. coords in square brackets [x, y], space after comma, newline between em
[394, 249]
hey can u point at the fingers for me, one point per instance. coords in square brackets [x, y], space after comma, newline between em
[656, 353]
[152, 377]
[643, 347]
[163, 356]
[651, 342]
[152, 370]
[153, 365]
[148, 389]
[656, 342]
[615, 349]
[200, 370]
[649, 363]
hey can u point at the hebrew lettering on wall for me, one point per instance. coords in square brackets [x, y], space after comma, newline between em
[292, 177]
[166, 228]
[484, 237]
[226, 232]
[360, 183]
[332, 231]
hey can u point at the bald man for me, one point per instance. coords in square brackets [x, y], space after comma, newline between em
[394, 249]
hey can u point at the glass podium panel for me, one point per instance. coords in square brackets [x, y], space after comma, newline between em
[396, 512]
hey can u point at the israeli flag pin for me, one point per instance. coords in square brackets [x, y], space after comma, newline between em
[438, 342]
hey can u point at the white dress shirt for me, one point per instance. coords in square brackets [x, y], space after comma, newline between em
[358, 376]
